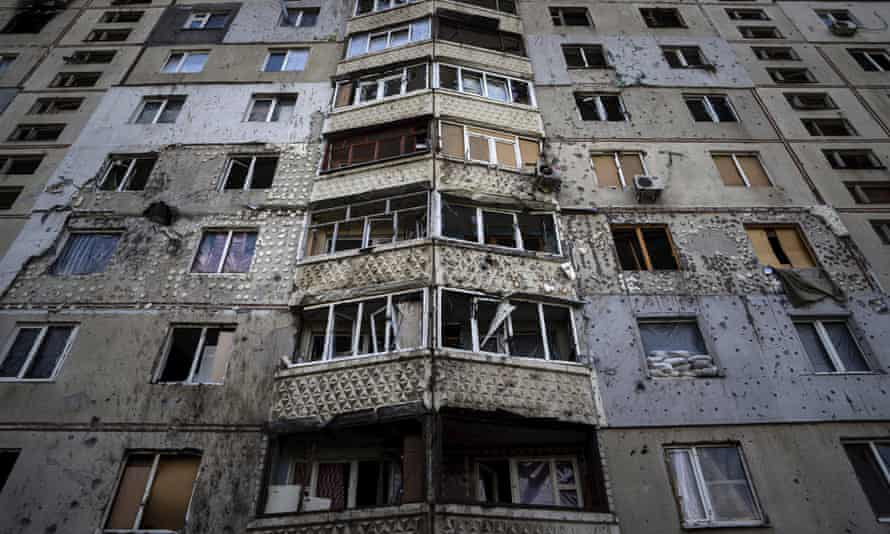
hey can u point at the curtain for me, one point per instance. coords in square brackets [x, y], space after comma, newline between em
[535, 483]
[687, 489]
[86, 254]
[210, 252]
[240, 252]
[727, 484]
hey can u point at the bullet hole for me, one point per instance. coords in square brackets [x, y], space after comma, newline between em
[90, 442]
[50, 529]
[644, 450]
[95, 483]
[73, 504]
[640, 386]
[25, 521]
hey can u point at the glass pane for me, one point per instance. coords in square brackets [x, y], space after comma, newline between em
[497, 88]
[117, 172]
[349, 235]
[312, 341]
[284, 109]
[372, 336]
[527, 339]
[845, 346]
[697, 108]
[367, 92]
[455, 318]
[812, 344]
[494, 482]
[149, 112]
[180, 357]
[85, 254]
[521, 93]
[333, 484]
[345, 317]
[217, 20]
[296, 60]
[240, 252]
[538, 233]
[407, 322]
[411, 224]
[416, 78]
[50, 351]
[420, 30]
[448, 77]
[392, 86]
[275, 62]
[723, 109]
[170, 493]
[260, 110]
[130, 491]
[498, 229]
[398, 38]
[171, 111]
[535, 483]
[215, 356]
[18, 353]
[678, 336]
[686, 487]
[565, 473]
[472, 82]
[491, 317]
[871, 477]
[568, 498]
[193, 63]
[560, 335]
[728, 489]
[377, 43]
[506, 154]
[612, 106]
[459, 222]
[238, 169]
[479, 149]
[172, 63]
[320, 240]
[358, 44]
[140, 174]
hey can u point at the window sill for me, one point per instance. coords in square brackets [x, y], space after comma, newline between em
[500, 249]
[519, 361]
[727, 524]
[350, 361]
[272, 521]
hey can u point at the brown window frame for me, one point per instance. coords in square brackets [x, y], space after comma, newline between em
[811, 259]
[405, 132]
[646, 264]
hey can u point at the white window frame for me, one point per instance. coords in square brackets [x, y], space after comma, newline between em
[484, 74]
[738, 164]
[616, 156]
[276, 102]
[203, 19]
[513, 462]
[709, 106]
[329, 334]
[830, 349]
[248, 180]
[507, 325]
[196, 356]
[492, 146]
[380, 82]
[129, 172]
[288, 53]
[868, 53]
[225, 253]
[388, 33]
[185, 55]
[32, 353]
[601, 108]
[164, 100]
[300, 11]
[678, 52]
[701, 487]
[391, 4]
[561, 15]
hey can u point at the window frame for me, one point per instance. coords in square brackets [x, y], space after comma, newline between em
[603, 115]
[641, 242]
[828, 345]
[650, 15]
[203, 18]
[8, 160]
[801, 235]
[748, 32]
[857, 191]
[91, 57]
[740, 169]
[492, 142]
[815, 121]
[882, 228]
[121, 16]
[186, 54]
[680, 51]
[273, 109]
[49, 105]
[248, 179]
[480, 227]
[101, 36]
[388, 32]
[300, 12]
[706, 100]
[108, 166]
[830, 17]
[392, 5]
[794, 101]
[288, 53]
[165, 102]
[69, 80]
[6, 61]
[867, 54]
[485, 75]
[738, 13]
[778, 75]
[882, 464]
[616, 156]
[225, 253]
[380, 80]
[196, 356]
[35, 347]
[558, 13]
[583, 53]
[515, 498]
[410, 128]
[32, 131]
[762, 53]
[835, 159]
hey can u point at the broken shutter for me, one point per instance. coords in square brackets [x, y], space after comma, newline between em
[794, 247]
[762, 247]
[130, 491]
[606, 170]
[453, 140]
[413, 468]
[728, 171]
[753, 171]
[171, 492]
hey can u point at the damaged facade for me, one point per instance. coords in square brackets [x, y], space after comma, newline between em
[444, 266]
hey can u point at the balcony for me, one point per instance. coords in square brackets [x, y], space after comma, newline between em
[470, 55]
[403, 54]
[405, 519]
[379, 112]
[460, 519]
[514, 118]
[386, 175]
[389, 17]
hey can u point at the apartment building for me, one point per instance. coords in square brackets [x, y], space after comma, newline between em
[446, 266]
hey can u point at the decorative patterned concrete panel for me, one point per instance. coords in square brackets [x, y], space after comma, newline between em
[480, 57]
[373, 178]
[385, 111]
[569, 522]
[507, 23]
[491, 113]
[387, 57]
[483, 182]
[375, 21]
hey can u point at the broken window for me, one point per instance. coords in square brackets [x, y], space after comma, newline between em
[830, 346]
[198, 354]
[810, 101]
[791, 75]
[86, 253]
[389, 323]
[829, 127]
[524, 231]
[710, 108]
[713, 486]
[52, 106]
[286, 60]
[6, 60]
[371, 6]
[225, 251]
[87, 57]
[872, 60]
[8, 458]
[36, 132]
[368, 224]
[741, 169]
[159, 110]
[882, 228]
[388, 84]
[108, 35]
[570, 16]
[617, 169]
[377, 41]
[206, 21]
[600, 107]
[28, 21]
[110, 17]
[19, 164]
[684, 57]
[832, 16]
[369, 146]
[36, 351]
[154, 492]
[489, 146]
[780, 247]
[585, 56]
[185, 62]
[461, 30]
[736, 13]
[127, 172]
[249, 172]
[853, 159]
[474, 322]
[75, 79]
[485, 84]
[271, 108]
[775, 53]
[645, 248]
[8, 196]
[662, 17]
[301, 17]
[869, 192]
[760, 32]
[363, 467]
[871, 463]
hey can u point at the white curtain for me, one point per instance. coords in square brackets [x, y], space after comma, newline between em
[684, 478]
[86, 253]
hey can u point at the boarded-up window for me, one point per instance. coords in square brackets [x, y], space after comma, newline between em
[743, 170]
[616, 169]
[780, 247]
[489, 146]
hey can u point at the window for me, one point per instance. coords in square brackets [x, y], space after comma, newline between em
[197, 355]
[8, 196]
[675, 348]
[286, 60]
[645, 248]
[369, 42]
[463, 30]
[485, 84]
[882, 228]
[479, 323]
[872, 60]
[830, 346]
[86, 253]
[662, 17]
[832, 16]
[206, 21]
[517, 230]
[24, 164]
[370, 6]
[600, 107]
[377, 145]
[160, 110]
[504, 6]
[271, 108]
[869, 192]
[490, 147]
[617, 169]
[127, 172]
[760, 32]
[585, 56]
[740, 169]
[710, 108]
[684, 57]
[538, 481]
[810, 101]
[108, 35]
[52, 106]
[225, 251]
[368, 224]
[36, 351]
[301, 18]
[388, 84]
[775, 53]
[780, 247]
[36, 132]
[871, 463]
[829, 127]
[121, 16]
[28, 21]
[5, 61]
[250, 172]
[853, 159]
[75, 79]
[570, 16]
[87, 57]
[791, 75]
[713, 486]
[154, 492]
[736, 13]
[377, 325]
[185, 62]
[8, 457]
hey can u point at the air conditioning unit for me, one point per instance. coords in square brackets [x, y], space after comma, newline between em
[548, 179]
[843, 28]
[648, 187]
